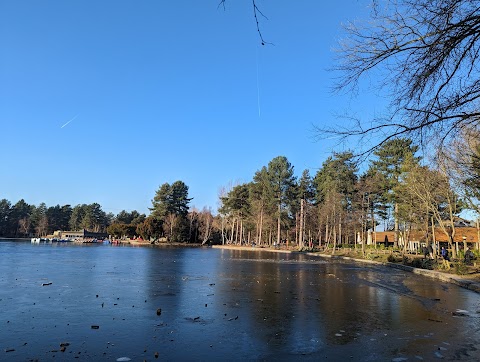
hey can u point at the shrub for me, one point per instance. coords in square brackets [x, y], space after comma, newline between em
[417, 263]
[460, 268]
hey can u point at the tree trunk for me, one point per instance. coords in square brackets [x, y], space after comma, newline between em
[261, 227]
[223, 231]
[206, 236]
[300, 240]
[340, 232]
[241, 232]
[232, 231]
[454, 253]
[278, 223]
[326, 233]
[451, 245]
[405, 237]
[363, 246]
[478, 234]
[395, 216]
[334, 239]
[372, 217]
[237, 232]
[171, 226]
[296, 227]
[334, 232]
[319, 234]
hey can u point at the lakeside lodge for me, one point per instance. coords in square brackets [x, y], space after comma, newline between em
[465, 235]
[77, 235]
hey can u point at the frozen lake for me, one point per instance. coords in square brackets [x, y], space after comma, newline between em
[221, 304]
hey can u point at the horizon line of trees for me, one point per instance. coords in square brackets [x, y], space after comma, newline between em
[24, 220]
[338, 205]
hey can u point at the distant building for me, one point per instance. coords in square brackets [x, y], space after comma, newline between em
[460, 222]
[462, 234]
[83, 234]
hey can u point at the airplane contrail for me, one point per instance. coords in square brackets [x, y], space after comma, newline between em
[69, 121]
[258, 86]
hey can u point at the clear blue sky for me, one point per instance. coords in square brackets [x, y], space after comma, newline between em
[158, 91]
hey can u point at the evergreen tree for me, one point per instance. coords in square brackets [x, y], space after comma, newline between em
[389, 162]
[40, 219]
[236, 204]
[261, 200]
[21, 217]
[5, 217]
[78, 213]
[150, 228]
[335, 185]
[306, 193]
[282, 186]
[58, 217]
[170, 205]
[170, 199]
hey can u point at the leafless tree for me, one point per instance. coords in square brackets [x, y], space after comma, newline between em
[205, 224]
[463, 164]
[42, 226]
[433, 191]
[426, 53]
[24, 225]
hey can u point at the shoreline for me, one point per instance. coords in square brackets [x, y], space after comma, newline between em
[461, 281]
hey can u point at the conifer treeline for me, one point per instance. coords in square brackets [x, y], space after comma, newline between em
[337, 205]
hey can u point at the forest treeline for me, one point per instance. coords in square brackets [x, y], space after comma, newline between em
[397, 190]
[339, 205]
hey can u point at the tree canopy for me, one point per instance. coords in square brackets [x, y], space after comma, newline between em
[170, 199]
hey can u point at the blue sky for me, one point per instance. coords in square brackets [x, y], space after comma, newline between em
[159, 91]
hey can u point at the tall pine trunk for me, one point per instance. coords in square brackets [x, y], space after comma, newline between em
[300, 239]
[232, 231]
[278, 223]
[261, 227]
[395, 238]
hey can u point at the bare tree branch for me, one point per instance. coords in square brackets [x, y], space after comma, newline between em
[427, 53]
[256, 13]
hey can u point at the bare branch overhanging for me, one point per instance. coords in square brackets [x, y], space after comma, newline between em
[429, 53]
[256, 14]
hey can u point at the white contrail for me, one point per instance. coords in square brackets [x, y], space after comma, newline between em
[69, 121]
[258, 86]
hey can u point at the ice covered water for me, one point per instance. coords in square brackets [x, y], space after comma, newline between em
[100, 302]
